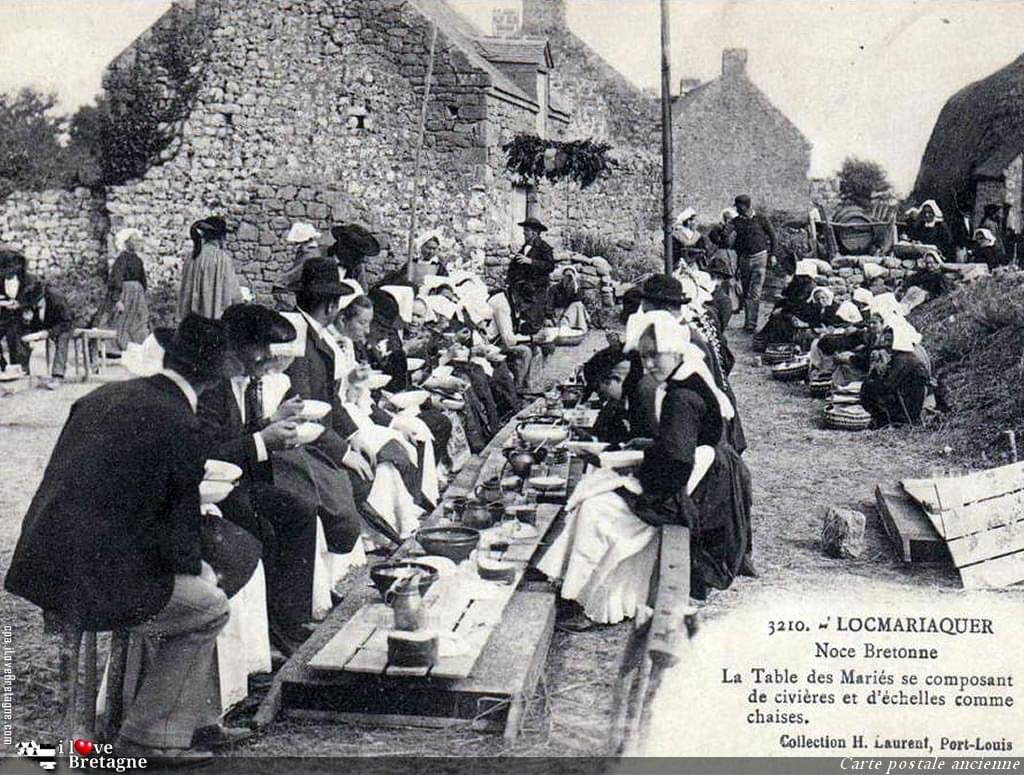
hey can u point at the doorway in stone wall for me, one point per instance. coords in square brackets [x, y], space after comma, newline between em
[524, 204]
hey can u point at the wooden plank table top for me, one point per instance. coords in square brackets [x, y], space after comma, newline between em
[462, 608]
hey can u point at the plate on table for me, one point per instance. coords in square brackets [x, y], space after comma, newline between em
[221, 471]
[308, 432]
[593, 447]
[214, 492]
[314, 410]
[410, 399]
[415, 364]
[626, 458]
[547, 483]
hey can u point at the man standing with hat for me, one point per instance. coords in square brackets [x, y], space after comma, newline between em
[112, 538]
[753, 239]
[528, 277]
[352, 246]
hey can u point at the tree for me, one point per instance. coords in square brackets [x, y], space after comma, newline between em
[31, 156]
[859, 179]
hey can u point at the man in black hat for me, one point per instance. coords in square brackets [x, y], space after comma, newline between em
[535, 261]
[281, 514]
[753, 239]
[112, 537]
[352, 246]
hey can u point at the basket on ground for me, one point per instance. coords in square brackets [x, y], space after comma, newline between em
[847, 418]
[791, 371]
[779, 353]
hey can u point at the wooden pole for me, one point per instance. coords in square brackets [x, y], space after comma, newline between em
[666, 137]
[419, 150]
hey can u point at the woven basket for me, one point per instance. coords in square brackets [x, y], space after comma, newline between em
[819, 388]
[838, 419]
[790, 371]
[780, 353]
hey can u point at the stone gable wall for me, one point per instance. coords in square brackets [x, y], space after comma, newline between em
[729, 139]
[310, 112]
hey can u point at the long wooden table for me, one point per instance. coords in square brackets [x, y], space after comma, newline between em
[497, 636]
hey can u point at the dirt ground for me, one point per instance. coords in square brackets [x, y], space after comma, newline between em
[798, 467]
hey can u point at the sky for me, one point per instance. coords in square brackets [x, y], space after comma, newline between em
[858, 77]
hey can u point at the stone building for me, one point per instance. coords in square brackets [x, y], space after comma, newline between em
[308, 110]
[973, 157]
[728, 139]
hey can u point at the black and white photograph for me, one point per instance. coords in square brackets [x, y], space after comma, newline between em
[403, 386]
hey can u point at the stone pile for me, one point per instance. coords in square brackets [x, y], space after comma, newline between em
[848, 272]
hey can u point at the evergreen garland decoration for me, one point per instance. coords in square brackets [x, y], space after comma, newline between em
[530, 158]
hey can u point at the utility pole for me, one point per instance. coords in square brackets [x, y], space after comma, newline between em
[666, 136]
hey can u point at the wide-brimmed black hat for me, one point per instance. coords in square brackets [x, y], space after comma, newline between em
[660, 288]
[11, 261]
[742, 201]
[351, 239]
[320, 275]
[533, 223]
[199, 343]
[213, 227]
[254, 324]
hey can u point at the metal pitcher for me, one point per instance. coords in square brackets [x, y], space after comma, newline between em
[406, 602]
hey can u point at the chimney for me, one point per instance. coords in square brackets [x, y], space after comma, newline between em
[734, 62]
[541, 17]
[687, 85]
[505, 22]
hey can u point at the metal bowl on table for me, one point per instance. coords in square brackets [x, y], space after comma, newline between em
[455, 543]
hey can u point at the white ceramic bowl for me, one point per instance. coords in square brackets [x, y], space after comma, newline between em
[547, 483]
[415, 364]
[308, 432]
[626, 458]
[221, 471]
[214, 492]
[376, 380]
[593, 447]
[454, 404]
[537, 434]
[314, 410]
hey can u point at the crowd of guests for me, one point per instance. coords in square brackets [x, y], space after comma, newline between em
[664, 393]
[406, 378]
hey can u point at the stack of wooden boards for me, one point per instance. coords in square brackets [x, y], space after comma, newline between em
[976, 520]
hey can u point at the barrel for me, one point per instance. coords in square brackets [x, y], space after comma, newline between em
[853, 229]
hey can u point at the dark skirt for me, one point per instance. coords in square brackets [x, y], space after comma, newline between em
[720, 534]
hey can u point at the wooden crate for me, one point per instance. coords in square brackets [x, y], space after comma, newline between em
[981, 518]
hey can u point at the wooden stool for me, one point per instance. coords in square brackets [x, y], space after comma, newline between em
[84, 338]
[72, 639]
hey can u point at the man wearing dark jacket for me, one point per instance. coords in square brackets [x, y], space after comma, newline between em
[753, 239]
[46, 310]
[284, 520]
[528, 278]
[112, 537]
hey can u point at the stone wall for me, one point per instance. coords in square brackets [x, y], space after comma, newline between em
[63, 236]
[847, 272]
[308, 111]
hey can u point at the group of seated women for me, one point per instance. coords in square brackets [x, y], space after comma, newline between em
[865, 340]
[664, 393]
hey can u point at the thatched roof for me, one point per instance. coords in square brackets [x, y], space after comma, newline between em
[979, 131]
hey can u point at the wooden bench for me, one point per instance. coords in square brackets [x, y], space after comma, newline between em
[657, 644]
